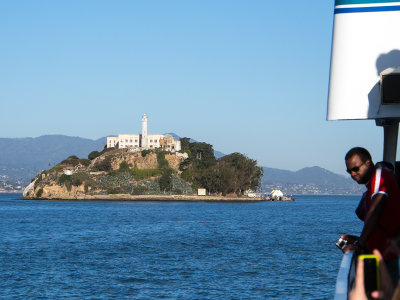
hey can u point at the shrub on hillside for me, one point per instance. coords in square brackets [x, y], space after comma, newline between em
[71, 161]
[104, 165]
[146, 173]
[63, 179]
[87, 185]
[105, 149]
[140, 190]
[145, 152]
[166, 180]
[123, 167]
[39, 193]
[162, 162]
[76, 182]
[114, 190]
[84, 162]
[92, 155]
[56, 169]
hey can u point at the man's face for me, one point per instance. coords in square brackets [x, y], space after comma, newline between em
[358, 169]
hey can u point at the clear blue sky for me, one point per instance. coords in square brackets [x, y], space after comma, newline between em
[245, 76]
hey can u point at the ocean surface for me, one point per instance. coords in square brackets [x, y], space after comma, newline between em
[156, 250]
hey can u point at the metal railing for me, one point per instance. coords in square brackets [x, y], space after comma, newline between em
[346, 276]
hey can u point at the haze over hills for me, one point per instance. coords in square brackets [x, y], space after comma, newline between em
[309, 180]
[22, 158]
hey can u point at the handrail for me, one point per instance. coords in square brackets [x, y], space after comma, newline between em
[345, 277]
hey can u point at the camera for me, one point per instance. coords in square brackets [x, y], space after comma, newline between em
[341, 243]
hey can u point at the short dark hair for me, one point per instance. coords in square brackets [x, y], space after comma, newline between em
[361, 152]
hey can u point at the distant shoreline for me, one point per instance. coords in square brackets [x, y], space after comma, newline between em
[20, 192]
[179, 198]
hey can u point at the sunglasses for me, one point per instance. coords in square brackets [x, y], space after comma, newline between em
[355, 169]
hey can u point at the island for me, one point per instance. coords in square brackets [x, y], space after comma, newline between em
[154, 167]
[191, 174]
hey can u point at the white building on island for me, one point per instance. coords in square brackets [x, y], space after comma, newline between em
[276, 195]
[144, 140]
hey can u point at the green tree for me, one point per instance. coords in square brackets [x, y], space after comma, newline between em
[210, 179]
[185, 144]
[234, 173]
[202, 155]
[244, 172]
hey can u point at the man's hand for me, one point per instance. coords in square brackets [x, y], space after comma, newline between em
[349, 238]
[358, 293]
[350, 247]
[386, 288]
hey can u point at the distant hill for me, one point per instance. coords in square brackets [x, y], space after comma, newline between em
[310, 180]
[22, 158]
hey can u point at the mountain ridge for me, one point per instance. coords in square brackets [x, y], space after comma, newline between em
[22, 158]
[310, 180]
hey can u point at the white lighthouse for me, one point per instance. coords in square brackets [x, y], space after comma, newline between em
[144, 131]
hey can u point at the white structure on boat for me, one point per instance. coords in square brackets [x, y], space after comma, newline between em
[144, 140]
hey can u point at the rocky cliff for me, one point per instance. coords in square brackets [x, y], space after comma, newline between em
[115, 171]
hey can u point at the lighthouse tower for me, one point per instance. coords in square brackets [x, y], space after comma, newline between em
[144, 131]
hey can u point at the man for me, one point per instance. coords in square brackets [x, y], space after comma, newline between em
[382, 208]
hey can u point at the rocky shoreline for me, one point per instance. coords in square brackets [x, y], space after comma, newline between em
[167, 198]
[122, 175]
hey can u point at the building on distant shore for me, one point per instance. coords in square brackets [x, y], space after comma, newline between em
[277, 195]
[144, 140]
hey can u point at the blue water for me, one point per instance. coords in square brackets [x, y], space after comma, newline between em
[155, 250]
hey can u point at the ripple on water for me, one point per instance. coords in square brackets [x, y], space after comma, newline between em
[103, 250]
